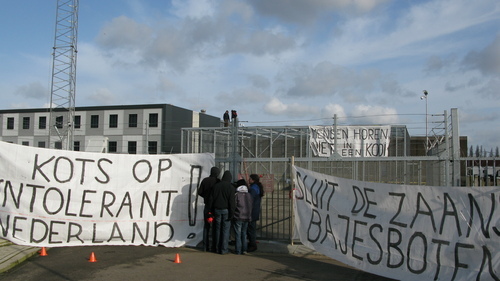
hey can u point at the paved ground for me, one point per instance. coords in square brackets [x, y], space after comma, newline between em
[12, 254]
[273, 261]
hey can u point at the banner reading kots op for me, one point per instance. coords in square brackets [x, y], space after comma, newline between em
[64, 198]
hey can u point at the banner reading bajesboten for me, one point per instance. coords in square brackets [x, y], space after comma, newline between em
[63, 198]
[400, 231]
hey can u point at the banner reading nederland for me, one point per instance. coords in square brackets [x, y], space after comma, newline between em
[399, 231]
[64, 198]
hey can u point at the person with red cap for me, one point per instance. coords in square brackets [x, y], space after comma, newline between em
[204, 190]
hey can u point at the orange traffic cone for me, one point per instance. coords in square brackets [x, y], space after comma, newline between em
[92, 257]
[43, 252]
[177, 258]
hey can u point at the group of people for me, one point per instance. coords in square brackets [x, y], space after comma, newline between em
[225, 117]
[227, 205]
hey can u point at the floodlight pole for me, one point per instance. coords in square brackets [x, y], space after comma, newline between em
[426, 122]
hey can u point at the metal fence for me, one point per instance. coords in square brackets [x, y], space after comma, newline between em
[268, 151]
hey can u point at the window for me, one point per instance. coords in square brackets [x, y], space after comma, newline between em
[94, 121]
[59, 122]
[10, 123]
[41, 144]
[152, 147]
[132, 120]
[112, 147]
[58, 145]
[26, 143]
[76, 146]
[26, 123]
[113, 121]
[77, 121]
[132, 147]
[153, 120]
[42, 122]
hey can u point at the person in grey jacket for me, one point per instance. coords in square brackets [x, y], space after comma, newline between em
[242, 216]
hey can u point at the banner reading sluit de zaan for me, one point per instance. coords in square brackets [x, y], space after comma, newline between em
[55, 198]
[400, 231]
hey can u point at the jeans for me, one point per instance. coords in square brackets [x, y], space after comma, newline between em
[240, 230]
[222, 226]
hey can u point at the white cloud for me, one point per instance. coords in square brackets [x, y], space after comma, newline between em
[367, 114]
[330, 110]
[104, 96]
[124, 33]
[277, 108]
[194, 8]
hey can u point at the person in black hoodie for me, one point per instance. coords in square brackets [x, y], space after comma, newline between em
[222, 202]
[204, 190]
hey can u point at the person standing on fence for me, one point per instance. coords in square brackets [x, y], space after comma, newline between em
[226, 118]
[204, 190]
[242, 215]
[222, 202]
[257, 191]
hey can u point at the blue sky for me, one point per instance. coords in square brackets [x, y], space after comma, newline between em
[277, 62]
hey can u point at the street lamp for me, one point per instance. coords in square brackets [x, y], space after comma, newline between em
[424, 97]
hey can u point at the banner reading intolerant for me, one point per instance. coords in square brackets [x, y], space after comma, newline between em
[350, 141]
[400, 231]
[52, 198]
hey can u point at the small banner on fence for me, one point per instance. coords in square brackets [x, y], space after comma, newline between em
[399, 231]
[350, 141]
[64, 198]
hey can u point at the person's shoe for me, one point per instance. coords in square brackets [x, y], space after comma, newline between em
[252, 249]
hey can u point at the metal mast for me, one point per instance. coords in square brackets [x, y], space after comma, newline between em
[62, 97]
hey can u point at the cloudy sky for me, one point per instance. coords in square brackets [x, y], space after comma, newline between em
[277, 62]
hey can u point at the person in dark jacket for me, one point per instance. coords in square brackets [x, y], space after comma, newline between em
[226, 118]
[242, 215]
[204, 190]
[222, 202]
[257, 191]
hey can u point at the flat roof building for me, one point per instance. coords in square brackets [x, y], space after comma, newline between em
[133, 129]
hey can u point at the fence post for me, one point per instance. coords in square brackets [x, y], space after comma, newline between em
[233, 168]
[292, 192]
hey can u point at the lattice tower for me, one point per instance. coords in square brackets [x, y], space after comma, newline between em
[62, 98]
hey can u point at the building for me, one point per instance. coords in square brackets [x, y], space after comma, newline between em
[133, 129]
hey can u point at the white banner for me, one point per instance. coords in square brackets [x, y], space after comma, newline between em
[52, 198]
[401, 231]
[350, 141]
